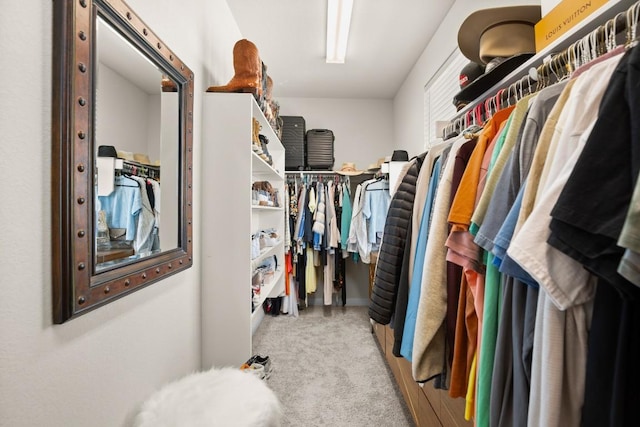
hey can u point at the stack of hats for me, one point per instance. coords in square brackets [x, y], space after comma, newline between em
[496, 41]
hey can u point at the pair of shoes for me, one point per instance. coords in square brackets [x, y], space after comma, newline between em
[255, 369]
[265, 362]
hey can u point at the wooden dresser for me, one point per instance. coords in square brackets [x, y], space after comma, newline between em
[428, 406]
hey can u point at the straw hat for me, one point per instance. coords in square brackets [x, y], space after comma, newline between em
[349, 169]
[125, 155]
[374, 167]
[144, 160]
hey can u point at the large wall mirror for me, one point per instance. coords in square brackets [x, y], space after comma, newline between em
[122, 156]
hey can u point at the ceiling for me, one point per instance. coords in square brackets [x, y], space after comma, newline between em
[118, 54]
[385, 41]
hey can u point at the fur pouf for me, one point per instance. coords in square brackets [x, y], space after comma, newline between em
[219, 397]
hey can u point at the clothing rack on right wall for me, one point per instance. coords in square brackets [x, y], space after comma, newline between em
[616, 32]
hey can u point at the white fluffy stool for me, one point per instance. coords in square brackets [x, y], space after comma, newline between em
[219, 397]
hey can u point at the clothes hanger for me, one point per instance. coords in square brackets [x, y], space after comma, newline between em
[487, 108]
[477, 111]
[497, 100]
[519, 87]
[632, 24]
[128, 177]
[610, 34]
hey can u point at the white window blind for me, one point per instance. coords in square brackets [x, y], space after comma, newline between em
[438, 95]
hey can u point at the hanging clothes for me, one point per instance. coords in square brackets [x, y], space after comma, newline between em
[392, 248]
[317, 227]
[522, 289]
[123, 205]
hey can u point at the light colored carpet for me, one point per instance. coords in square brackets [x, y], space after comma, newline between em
[328, 369]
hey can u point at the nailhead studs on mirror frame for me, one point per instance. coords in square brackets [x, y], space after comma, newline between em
[82, 135]
[82, 35]
[81, 233]
[83, 3]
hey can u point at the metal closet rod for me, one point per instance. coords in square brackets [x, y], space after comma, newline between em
[596, 43]
[315, 175]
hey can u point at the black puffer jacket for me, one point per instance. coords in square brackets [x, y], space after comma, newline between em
[389, 268]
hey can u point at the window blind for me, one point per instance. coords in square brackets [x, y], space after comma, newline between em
[438, 95]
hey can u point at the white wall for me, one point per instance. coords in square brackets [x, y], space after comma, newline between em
[408, 107]
[96, 369]
[123, 115]
[363, 129]
[547, 5]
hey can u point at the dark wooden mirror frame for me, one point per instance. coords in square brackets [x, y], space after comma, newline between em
[77, 287]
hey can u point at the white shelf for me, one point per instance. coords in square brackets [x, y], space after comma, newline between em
[267, 252]
[270, 290]
[260, 166]
[267, 290]
[230, 219]
[267, 208]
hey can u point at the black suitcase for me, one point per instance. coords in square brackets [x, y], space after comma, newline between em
[320, 149]
[293, 135]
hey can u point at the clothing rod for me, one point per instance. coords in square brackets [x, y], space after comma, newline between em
[562, 62]
[320, 173]
[520, 81]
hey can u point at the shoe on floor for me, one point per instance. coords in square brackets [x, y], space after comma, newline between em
[264, 361]
[255, 369]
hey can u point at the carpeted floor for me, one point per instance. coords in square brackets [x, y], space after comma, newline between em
[328, 369]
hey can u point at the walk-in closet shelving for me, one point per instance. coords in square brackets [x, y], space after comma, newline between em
[229, 220]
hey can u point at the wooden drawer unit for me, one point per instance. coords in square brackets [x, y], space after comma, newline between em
[379, 330]
[429, 407]
[452, 410]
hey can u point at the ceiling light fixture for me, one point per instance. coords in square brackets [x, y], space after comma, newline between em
[338, 22]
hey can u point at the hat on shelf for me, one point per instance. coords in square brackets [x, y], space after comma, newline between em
[144, 160]
[400, 156]
[374, 167]
[501, 39]
[470, 73]
[491, 77]
[498, 32]
[349, 169]
[125, 155]
[107, 151]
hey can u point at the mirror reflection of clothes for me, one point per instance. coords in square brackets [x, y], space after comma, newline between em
[156, 210]
[145, 234]
[123, 206]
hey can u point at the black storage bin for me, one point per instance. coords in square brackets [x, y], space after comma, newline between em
[293, 140]
[320, 149]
